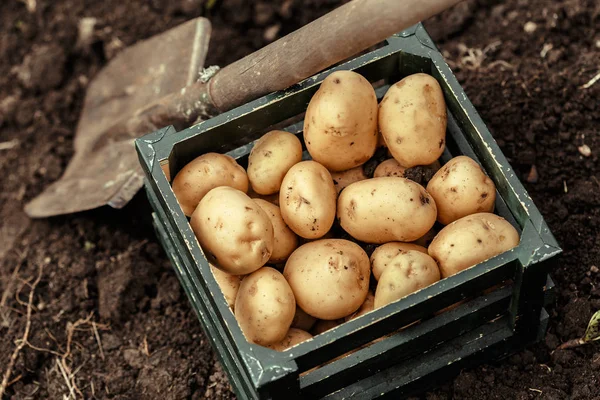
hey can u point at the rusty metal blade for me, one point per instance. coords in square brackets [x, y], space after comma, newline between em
[105, 169]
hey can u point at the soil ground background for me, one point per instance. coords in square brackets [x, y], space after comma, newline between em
[104, 278]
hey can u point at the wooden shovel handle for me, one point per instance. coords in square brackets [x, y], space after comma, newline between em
[332, 38]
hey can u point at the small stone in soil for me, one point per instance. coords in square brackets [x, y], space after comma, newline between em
[533, 176]
[585, 150]
[8, 106]
[530, 27]
[85, 30]
[271, 32]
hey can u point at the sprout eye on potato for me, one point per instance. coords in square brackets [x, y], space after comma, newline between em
[283, 210]
[204, 173]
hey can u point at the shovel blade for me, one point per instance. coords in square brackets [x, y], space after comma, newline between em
[105, 169]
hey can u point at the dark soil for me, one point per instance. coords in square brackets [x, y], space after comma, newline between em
[105, 280]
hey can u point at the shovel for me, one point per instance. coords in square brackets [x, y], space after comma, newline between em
[161, 81]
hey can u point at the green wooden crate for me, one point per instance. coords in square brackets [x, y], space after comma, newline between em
[486, 327]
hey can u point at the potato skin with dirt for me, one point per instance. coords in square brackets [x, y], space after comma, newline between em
[461, 188]
[412, 120]
[386, 209]
[307, 199]
[406, 273]
[340, 126]
[229, 284]
[389, 168]
[265, 306]
[329, 277]
[342, 179]
[234, 232]
[292, 338]
[285, 240]
[270, 159]
[471, 240]
[385, 253]
[204, 173]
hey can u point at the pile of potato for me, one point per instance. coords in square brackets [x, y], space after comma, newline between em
[294, 244]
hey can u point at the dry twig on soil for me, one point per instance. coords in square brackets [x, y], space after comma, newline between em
[591, 81]
[31, 5]
[65, 370]
[4, 314]
[23, 341]
[11, 144]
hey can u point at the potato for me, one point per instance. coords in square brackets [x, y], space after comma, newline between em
[307, 199]
[386, 209]
[228, 283]
[344, 178]
[265, 306]
[302, 320]
[204, 173]
[323, 325]
[389, 168]
[471, 240]
[385, 253]
[329, 277]
[412, 120]
[271, 158]
[461, 188]
[406, 273]
[285, 240]
[340, 126]
[366, 307]
[292, 338]
[234, 232]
